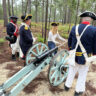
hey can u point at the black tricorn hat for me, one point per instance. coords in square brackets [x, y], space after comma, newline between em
[88, 14]
[13, 17]
[26, 17]
[54, 24]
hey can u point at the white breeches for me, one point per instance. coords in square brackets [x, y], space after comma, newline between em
[21, 53]
[15, 47]
[82, 74]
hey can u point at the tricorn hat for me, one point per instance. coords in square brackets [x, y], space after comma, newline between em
[54, 24]
[88, 14]
[13, 17]
[26, 17]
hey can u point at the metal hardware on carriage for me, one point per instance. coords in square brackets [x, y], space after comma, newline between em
[36, 59]
[44, 55]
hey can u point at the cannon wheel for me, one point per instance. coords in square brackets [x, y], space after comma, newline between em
[58, 68]
[35, 51]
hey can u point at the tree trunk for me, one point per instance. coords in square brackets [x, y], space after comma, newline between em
[46, 17]
[50, 16]
[26, 7]
[60, 16]
[95, 13]
[36, 11]
[42, 18]
[55, 15]
[65, 11]
[16, 9]
[12, 8]
[29, 6]
[9, 11]
[36, 17]
[22, 7]
[64, 22]
[5, 13]
[77, 11]
[70, 19]
[69, 16]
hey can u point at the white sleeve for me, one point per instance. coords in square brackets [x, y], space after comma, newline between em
[51, 38]
[59, 37]
[34, 39]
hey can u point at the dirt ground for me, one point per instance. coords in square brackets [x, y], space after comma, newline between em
[40, 85]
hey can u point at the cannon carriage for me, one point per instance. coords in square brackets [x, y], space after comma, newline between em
[37, 58]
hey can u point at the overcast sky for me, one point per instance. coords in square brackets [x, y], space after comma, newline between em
[18, 1]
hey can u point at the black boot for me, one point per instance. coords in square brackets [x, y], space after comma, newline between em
[66, 88]
[78, 94]
[13, 57]
[17, 54]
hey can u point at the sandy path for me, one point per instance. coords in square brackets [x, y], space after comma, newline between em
[40, 86]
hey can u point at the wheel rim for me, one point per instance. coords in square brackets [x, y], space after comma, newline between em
[35, 51]
[56, 75]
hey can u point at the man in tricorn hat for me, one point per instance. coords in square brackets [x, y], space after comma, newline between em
[88, 41]
[12, 32]
[26, 37]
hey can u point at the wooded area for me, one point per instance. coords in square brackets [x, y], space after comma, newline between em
[46, 11]
[64, 11]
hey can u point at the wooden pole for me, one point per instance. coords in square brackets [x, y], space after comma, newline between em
[77, 11]
[46, 17]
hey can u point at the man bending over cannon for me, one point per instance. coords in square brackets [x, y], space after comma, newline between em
[88, 41]
[12, 31]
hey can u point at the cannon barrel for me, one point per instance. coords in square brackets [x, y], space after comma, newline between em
[45, 55]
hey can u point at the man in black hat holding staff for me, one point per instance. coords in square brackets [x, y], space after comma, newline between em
[88, 41]
[12, 32]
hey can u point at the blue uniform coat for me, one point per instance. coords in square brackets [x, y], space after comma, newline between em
[25, 39]
[88, 40]
[10, 31]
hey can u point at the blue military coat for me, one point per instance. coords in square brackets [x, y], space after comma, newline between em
[88, 40]
[10, 29]
[26, 39]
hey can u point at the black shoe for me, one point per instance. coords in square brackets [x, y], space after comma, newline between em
[78, 94]
[17, 54]
[23, 58]
[66, 88]
[13, 57]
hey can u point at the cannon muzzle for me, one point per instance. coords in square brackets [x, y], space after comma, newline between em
[41, 57]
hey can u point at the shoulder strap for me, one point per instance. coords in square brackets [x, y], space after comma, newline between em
[77, 34]
[78, 39]
[15, 26]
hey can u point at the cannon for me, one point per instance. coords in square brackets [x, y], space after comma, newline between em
[37, 58]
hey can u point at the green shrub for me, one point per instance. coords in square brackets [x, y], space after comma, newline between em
[64, 28]
[36, 24]
[1, 21]
[40, 39]
[65, 36]
[2, 40]
[19, 22]
[4, 30]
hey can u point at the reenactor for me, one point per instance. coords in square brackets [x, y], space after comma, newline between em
[53, 34]
[26, 37]
[12, 32]
[88, 41]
